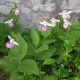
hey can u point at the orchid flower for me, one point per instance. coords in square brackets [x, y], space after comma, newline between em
[66, 24]
[53, 22]
[10, 23]
[45, 25]
[16, 12]
[65, 14]
[11, 42]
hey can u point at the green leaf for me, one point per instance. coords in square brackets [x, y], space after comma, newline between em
[3, 29]
[52, 77]
[13, 76]
[77, 61]
[29, 67]
[15, 5]
[16, 29]
[73, 78]
[77, 49]
[46, 54]
[35, 37]
[16, 76]
[2, 43]
[31, 47]
[9, 65]
[30, 78]
[48, 61]
[21, 78]
[64, 73]
[18, 51]
[76, 35]
[68, 46]
[64, 56]
[49, 41]
[76, 25]
[42, 48]
[3, 48]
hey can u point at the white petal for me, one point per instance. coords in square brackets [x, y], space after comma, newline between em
[64, 11]
[15, 43]
[42, 23]
[9, 37]
[57, 20]
[69, 12]
[49, 24]
[18, 10]
[65, 20]
[53, 19]
[11, 20]
[60, 13]
[8, 21]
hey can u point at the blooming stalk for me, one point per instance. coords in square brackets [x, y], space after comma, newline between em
[65, 14]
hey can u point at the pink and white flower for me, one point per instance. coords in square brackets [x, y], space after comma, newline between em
[66, 24]
[44, 28]
[11, 42]
[53, 22]
[10, 23]
[65, 14]
[45, 25]
[16, 12]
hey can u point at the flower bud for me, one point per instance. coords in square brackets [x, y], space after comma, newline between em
[11, 24]
[9, 45]
[44, 28]
[17, 12]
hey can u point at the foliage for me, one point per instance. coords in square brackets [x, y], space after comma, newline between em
[53, 54]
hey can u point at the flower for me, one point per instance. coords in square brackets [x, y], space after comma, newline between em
[44, 28]
[45, 25]
[16, 12]
[66, 24]
[10, 23]
[11, 43]
[53, 22]
[65, 14]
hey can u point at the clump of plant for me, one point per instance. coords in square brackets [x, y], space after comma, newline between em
[51, 53]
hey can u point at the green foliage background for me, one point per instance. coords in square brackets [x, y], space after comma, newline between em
[41, 55]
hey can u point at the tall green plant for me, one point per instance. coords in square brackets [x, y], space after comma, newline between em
[51, 53]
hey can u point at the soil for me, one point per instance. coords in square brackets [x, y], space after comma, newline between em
[3, 75]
